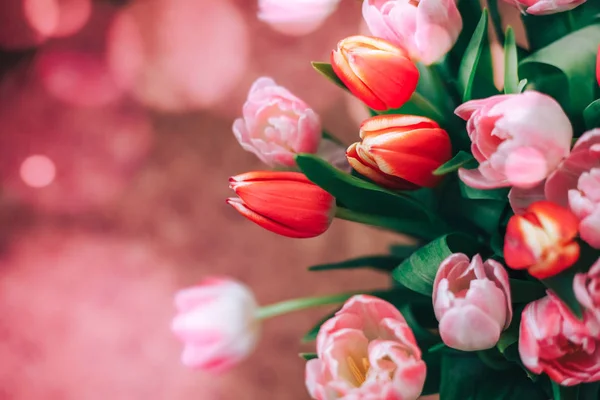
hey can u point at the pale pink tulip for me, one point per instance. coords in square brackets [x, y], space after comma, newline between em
[276, 125]
[554, 341]
[217, 323]
[471, 296]
[366, 352]
[427, 29]
[545, 7]
[576, 184]
[295, 17]
[518, 139]
[587, 291]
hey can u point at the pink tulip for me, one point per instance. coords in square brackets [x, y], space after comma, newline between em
[276, 125]
[366, 351]
[575, 184]
[217, 323]
[295, 17]
[427, 29]
[518, 139]
[471, 296]
[587, 291]
[545, 7]
[554, 341]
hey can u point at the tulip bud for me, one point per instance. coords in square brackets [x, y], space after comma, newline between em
[374, 70]
[217, 323]
[542, 240]
[276, 124]
[427, 29]
[400, 151]
[286, 203]
[471, 297]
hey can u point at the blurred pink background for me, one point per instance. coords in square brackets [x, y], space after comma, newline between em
[115, 149]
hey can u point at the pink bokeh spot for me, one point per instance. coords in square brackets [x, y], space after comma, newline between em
[57, 18]
[182, 55]
[38, 171]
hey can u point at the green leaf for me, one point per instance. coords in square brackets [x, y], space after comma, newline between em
[565, 392]
[308, 356]
[466, 377]
[507, 339]
[418, 271]
[384, 263]
[566, 71]
[591, 115]
[526, 291]
[460, 159]
[485, 214]
[433, 361]
[474, 54]
[544, 29]
[511, 63]
[327, 71]
[562, 286]
[360, 196]
[477, 194]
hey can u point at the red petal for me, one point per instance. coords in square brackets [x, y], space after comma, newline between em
[268, 176]
[395, 123]
[559, 223]
[517, 251]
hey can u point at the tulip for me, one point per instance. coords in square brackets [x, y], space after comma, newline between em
[542, 240]
[518, 139]
[400, 151]
[286, 203]
[380, 74]
[217, 323]
[585, 204]
[427, 29]
[575, 184]
[471, 296]
[295, 17]
[545, 7]
[366, 351]
[276, 125]
[587, 290]
[554, 341]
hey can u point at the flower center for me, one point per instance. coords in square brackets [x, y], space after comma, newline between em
[359, 372]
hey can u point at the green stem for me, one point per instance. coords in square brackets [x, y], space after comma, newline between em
[564, 392]
[285, 307]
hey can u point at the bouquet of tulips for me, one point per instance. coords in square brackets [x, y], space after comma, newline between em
[499, 296]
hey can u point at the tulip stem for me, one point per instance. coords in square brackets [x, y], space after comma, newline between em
[285, 307]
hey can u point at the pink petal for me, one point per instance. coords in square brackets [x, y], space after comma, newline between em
[525, 167]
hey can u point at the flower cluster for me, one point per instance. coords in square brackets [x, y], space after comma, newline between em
[503, 198]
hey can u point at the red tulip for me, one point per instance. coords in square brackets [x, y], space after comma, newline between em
[542, 240]
[286, 203]
[400, 151]
[374, 70]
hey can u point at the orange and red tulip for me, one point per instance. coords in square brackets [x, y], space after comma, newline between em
[542, 240]
[376, 71]
[286, 203]
[400, 151]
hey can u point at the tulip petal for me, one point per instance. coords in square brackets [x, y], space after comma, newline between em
[525, 167]
[458, 324]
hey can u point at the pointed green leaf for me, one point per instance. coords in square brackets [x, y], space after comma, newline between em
[511, 63]
[591, 115]
[472, 56]
[459, 160]
[522, 84]
[308, 356]
[384, 263]
[418, 271]
[327, 71]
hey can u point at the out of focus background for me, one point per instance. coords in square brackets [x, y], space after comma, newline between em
[115, 149]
